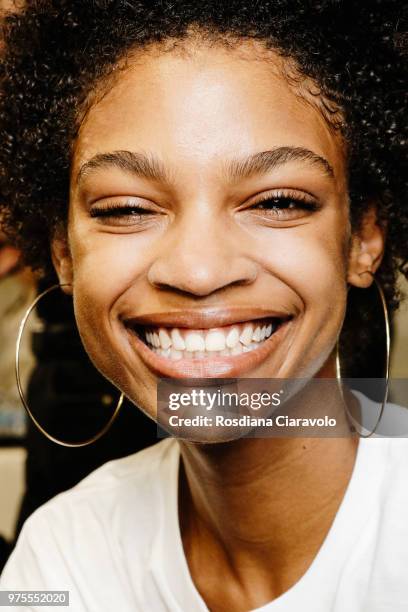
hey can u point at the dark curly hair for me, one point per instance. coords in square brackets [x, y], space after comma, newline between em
[56, 52]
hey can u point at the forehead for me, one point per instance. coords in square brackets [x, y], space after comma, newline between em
[196, 107]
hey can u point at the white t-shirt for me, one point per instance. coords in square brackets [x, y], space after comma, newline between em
[114, 542]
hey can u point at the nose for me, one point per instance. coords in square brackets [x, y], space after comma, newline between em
[200, 256]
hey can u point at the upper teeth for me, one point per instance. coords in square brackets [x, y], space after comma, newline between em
[211, 340]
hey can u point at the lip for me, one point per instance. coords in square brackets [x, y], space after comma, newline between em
[204, 318]
[211, 367]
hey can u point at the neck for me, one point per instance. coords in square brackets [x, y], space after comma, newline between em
[253, 507]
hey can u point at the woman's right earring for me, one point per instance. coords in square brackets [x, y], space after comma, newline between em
[387, 362]
[86, 442]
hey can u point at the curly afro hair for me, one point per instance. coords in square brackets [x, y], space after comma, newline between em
[56, 52]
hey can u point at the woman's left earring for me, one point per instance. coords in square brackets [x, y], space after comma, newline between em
[387, 364]
[86, 442]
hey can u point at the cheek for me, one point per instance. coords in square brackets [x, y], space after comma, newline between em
[105, 267]
[310, 260]
[109, 259]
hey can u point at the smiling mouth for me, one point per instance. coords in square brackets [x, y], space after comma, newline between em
[181, 343]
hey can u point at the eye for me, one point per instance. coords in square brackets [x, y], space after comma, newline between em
[285, 205]
[127, 212]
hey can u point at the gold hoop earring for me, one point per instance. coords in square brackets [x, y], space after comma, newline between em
[21, 393]
[387, 363]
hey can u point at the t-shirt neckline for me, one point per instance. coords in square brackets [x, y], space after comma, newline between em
[169, 563]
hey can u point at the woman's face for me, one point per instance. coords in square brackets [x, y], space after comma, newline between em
[208, 225]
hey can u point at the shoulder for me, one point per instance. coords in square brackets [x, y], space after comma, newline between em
[383, 543]
[385, 465]
[127, 470]
[113, 510]
[128, 484]
[390, 441]
[393, 422]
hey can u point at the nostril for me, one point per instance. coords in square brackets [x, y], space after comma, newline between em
[198, 288]
[201, 274]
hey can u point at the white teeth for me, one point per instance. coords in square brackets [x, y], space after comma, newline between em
[194, 342]
[257, 334]
[177, 339]
[246, 336]
[164, 338]
[232, 338]
[215, 341]
[200, 344]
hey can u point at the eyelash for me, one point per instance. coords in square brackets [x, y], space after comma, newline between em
[119, 209]
[285, 201]
[278, 205]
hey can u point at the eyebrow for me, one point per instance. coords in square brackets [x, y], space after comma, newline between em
[265, 161]
[150, 167]
[139, 164]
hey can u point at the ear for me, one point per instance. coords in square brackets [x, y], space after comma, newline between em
[367, 249]
[61, 258]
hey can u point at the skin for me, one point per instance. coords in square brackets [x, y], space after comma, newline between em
[205, 244]
[9, 257]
